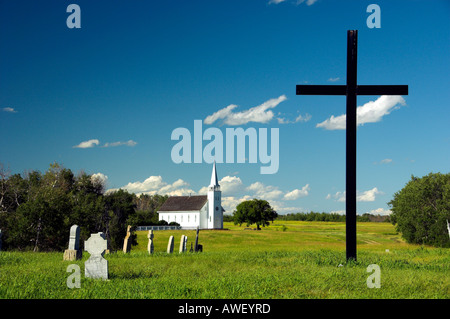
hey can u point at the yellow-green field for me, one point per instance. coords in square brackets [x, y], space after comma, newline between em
[287, 260]
[283, 236]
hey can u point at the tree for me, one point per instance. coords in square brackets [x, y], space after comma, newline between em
[40, 222]
[119, 213]
[421, 209]
[147, 207]
[255, 211]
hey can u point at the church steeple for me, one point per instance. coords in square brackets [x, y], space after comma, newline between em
[215, 210]
[214, 181]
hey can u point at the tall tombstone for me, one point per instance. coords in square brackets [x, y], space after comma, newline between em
[170, 245]
[196, 240]
[448, 227]
[150, 247]
[73, 252]
[197, 248]
[127, 241]
[96, 266]
[183, 244]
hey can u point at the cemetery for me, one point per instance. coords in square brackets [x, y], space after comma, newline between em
[288, 259]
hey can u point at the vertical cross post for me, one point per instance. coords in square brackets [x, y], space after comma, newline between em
[350, 192]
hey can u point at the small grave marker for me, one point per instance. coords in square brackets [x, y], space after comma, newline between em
[96, 266]
[150, 247]
[73, 252]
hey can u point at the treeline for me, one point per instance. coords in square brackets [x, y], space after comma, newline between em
[331, 217]
[37, 209]
[322, 217]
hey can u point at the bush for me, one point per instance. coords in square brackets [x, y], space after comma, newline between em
[421, 209]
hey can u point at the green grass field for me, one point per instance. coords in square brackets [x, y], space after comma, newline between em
[283, 261]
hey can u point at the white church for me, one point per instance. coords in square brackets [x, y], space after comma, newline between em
[203, 211]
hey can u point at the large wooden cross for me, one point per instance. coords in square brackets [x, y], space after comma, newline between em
[351, 90]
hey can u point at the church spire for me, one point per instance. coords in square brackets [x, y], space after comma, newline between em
[214, 181]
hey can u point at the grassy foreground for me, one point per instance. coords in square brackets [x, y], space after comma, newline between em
[285, 260]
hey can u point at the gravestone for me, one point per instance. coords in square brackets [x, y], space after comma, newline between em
[150, 247]
[170, 245]
[73, 252]
[96, 266]
[127, 241]
[183, 243]
[197, 248]
[448, 227]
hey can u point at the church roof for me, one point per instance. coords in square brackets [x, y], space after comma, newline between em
[183, 203]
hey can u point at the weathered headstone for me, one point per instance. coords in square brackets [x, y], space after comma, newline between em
[170, 245]
[197, 248]
[73, 252]
[448, 227]
[127, 241]
[183, 243]
[150, 247]
[96, 266]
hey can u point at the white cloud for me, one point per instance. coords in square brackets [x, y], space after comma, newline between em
[339, 196]
[229, 203]
[114, 144]
[386, 161]
[368, 196]
[99, 178]
[258, 114]
[380, 211]
[300, 118]
[333, 79]
[88, 144]
[9, 110]
[308, 2]
[297, 193]
[370, 112]
[264, 192]
[220, 114]
[229, 185]
[155, 185]
[95, 142]
[276, 1]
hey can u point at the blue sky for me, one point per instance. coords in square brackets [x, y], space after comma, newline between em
[105, 98]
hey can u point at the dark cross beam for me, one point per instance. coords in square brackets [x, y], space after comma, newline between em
[351, 90]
